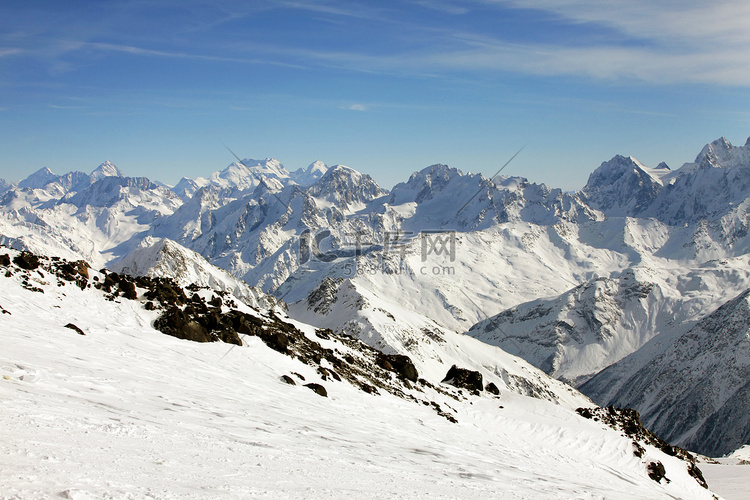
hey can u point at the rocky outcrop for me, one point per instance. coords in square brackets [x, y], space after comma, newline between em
[464, 379]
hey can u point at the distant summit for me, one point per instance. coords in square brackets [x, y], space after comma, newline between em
[106, 169]
[308, 176]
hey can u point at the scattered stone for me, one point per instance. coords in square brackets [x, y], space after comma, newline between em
[443, 414]
[75, 328]
[464, 379]
[318, 389]
[629, 422]
[289, 380]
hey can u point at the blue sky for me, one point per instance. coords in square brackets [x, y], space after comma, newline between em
[384, 87]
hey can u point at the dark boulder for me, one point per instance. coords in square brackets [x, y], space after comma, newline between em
[289, 380]
[230, 337]
[656, 471]
[26, 260]
[277, 341]
[318, 389]
[167, 293]
[492, 389]
[127, 288]
[464, 379]
[5, 260]
[174, 322]
[110, 280]
[398, 363]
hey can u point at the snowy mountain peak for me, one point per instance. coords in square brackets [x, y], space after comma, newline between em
[423, 185]
[611, 171]
[246, 175]
[436, 172]
[346, 187]
[721, 154]
[270, 167]
[106, 169]
[38, 179]
[308, 176]
[624, 186]
[716, 150]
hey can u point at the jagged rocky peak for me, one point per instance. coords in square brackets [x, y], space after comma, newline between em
[619, 167]
[715, 151]
[344, 185]
[624, 186]
[106, 169]
[434, 175]
[722, 154]
[308, 176]
[423, 185]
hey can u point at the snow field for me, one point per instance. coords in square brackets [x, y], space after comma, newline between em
[127, 412]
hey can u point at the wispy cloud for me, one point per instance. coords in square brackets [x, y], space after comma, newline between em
[356, 107]
[446, 7]
[657, 43]
[141, 51]
[667, 42]
[9, 51]
[63, 106]
[685, 22]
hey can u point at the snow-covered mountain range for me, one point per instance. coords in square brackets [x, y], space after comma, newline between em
[571, 282]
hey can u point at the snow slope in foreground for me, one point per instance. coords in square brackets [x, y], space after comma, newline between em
[127, 412]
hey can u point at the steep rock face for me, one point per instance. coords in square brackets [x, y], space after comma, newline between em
[623, 186]
[690, 387]
[347, 309]
[440, 197]
[703, 191]
[582, 331]
[346, 188]
[110, 190]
